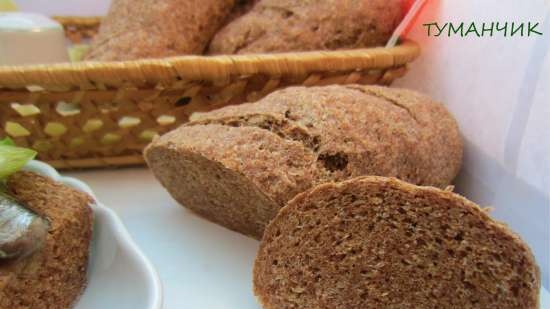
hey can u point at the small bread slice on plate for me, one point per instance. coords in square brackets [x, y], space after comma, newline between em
[118, 273]
[55, 275]
[376, 242]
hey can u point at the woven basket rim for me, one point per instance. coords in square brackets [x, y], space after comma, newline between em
[210, 68]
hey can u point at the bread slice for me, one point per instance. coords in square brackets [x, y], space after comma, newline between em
[376, 242]
[239, 165]
[55, 275]
[228, 174]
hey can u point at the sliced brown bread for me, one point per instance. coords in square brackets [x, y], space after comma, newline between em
[135, 29]
[298, 25]
[228, 174]
[239, 165]
[55, 275]
[376, 242]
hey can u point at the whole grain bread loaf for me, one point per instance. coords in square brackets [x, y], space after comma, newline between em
[298, 25]
[376, 242]
[240, 8]
[158, 28]
[54, 276]
[239, 165]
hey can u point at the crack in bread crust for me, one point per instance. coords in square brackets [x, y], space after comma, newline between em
[387, 98]
[284, 128]
[288, 130]
[351, 124]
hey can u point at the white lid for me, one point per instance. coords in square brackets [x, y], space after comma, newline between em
[16, 21]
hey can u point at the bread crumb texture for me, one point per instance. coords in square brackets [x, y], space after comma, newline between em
[54, 276]
[376, 242]
[239, 165]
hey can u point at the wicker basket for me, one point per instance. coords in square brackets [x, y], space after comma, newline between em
[94, 114]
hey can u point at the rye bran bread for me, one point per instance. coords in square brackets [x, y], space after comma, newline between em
[376, 242]
[155, 29]
[239, 165]
[298, 25]
[241, 7]
[54, 276]
[223, 173]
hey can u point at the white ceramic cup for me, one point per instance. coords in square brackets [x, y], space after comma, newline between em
[28, 38]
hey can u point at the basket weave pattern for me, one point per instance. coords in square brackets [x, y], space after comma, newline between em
[104, 113]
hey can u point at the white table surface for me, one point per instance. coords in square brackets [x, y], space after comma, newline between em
[201, 265]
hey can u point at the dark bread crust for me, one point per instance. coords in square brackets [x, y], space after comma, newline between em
[376, 242]
[379, 130]
[158, 28]
[302, 25]
[54, 276]
[299, 137]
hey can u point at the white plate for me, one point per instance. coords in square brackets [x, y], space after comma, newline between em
[119, 275]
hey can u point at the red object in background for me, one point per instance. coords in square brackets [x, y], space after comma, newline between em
[416, 12]
[411, 10]
[407, 6]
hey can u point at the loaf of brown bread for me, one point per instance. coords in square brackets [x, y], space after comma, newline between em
[135, 29]
[55, 275]
[239, 165]
[299, 25]
[376, 242]
[240, 8]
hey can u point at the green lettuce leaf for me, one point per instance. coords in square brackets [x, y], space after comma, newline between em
[13, 158]
[7, 141]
